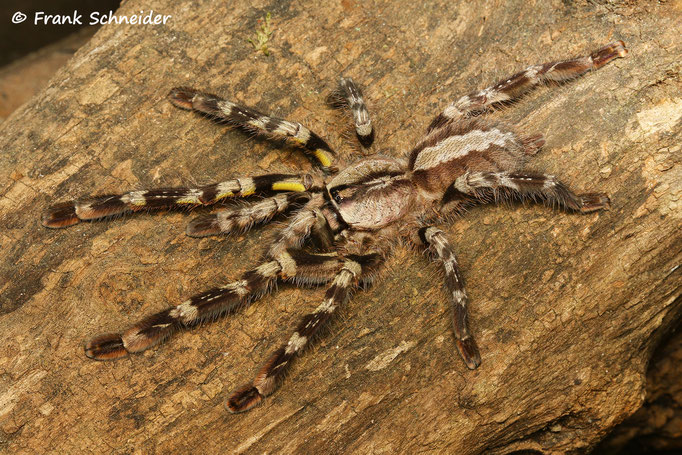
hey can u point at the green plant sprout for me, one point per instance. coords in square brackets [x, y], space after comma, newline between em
[263, 35]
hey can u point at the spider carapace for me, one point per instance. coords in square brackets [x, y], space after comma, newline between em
[342, 225]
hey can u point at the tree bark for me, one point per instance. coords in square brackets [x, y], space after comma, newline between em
[657, 426]
[567, 309]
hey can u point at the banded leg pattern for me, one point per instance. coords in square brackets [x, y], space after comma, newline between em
[348, 95]
[69, 213]
[505, 185]
[208, 305]
[243, 217]
[253, 121]
[298, 230]
[435, 239]
[271, 374]
[515, 86]
[301, 268]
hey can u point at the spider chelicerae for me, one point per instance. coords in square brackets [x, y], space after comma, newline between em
[342, 225]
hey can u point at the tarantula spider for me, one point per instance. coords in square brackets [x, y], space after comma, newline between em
[343, 225]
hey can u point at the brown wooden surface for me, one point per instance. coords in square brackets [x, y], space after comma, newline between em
[566, 308]
[657, 425]
[23, 78]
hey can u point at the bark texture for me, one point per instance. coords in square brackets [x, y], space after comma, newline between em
[657, 426]
[23, 78]
[567, 309]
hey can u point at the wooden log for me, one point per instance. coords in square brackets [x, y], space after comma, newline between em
[23, 78]
[656, 427]
[567, 309]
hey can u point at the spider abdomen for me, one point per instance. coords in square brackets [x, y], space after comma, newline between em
[464, 146]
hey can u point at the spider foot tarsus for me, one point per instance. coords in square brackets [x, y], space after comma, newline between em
[469, 352]
[68, 213]
[602, 56]
[591, 202]
[60, 215]
[244, 399]
[182, 97]
[143, 335]
[203, 226]
[106, 347]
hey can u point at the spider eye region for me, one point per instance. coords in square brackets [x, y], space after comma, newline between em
[341, 193]
[336, 196]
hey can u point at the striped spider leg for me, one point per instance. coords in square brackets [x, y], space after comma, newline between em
[517, 85]
[434, 239]
[242, 217]
[344, 224]
[276, 263]
[253, 121]
[352, 270]
[94, 208]
[523, 185]
[349, 96]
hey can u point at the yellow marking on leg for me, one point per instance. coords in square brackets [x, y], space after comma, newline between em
[323, 157]
[248, 187]
[224, 195]
[188, 200]
[192, 196]
[288, 186]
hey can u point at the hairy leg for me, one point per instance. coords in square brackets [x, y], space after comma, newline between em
[437, 243]
[253, 121]
[515, 86]
[505, 185]
[72, 212]
[348, 95]
[157, 327]
[242, 217]
[270, 376]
